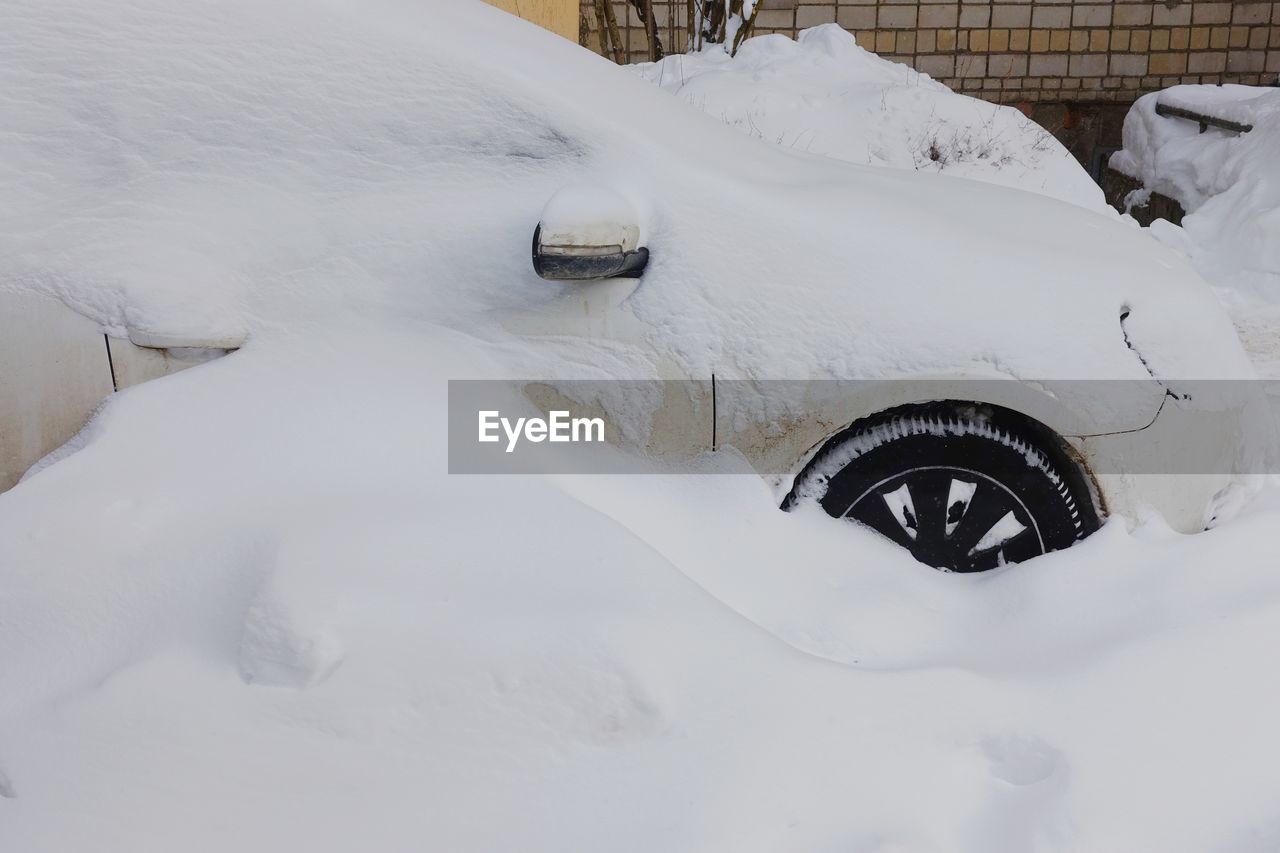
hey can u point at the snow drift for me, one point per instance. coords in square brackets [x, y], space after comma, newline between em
[824, 94]
[1229, 184]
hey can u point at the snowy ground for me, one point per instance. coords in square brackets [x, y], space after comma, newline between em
[253, 612]
[238, 648]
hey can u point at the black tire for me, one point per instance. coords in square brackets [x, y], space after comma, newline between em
[964, 488]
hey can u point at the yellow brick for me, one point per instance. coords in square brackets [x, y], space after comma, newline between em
[1199, 38]
[906, 42]
[946, 39]
[1168, 63]
[1039, 41]
[999, 41]
[1159, 39]
[884, 42]
[866, 40]
[1218, 37]
[1079, 41]
[1018, 40]
[1098, 41]
[1239, 37]
[962, 41]
[938, 15]
[1181, 37]
[978, 41]
[1059, 40]
[1141, 40]
[926, 41]
[1120, 40]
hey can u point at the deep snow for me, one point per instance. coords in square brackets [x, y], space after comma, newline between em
[1229, 184]
[253, 612]
[212, 641]
[824, 94]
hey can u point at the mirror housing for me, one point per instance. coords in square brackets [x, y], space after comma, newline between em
[588, 234]
[585, 263]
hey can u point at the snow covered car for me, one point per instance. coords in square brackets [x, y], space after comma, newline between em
[963, 467]
[815, 315]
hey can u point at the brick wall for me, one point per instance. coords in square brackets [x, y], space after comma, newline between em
[1017, 51]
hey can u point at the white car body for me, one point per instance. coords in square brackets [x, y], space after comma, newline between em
[1121, 432]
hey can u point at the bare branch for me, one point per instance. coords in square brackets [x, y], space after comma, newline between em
[611, 21]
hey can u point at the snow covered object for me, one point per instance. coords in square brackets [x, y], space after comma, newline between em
[1228, 182]
[403, 170]
[588, 233]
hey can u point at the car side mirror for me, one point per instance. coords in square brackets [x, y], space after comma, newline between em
[588, 234]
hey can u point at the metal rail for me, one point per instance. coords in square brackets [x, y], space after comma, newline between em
[1205, 121]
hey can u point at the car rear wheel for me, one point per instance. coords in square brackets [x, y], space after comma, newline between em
[964, 488]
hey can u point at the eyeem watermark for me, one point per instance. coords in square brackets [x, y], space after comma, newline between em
[1129, 427]
[558, 427]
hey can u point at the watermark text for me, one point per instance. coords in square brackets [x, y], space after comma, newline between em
[557, 427]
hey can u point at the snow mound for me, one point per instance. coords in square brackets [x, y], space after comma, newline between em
[1172, 157]
[824, 94]
[1229, 184]
[289, 639]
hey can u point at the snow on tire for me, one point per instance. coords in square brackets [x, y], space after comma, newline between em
[964, 488]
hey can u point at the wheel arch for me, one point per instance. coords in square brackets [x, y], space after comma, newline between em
[1065, 457]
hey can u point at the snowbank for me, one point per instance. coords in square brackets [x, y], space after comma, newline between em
[1172, 157]
[1229, 184]
[307, 635]
[823, 94]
